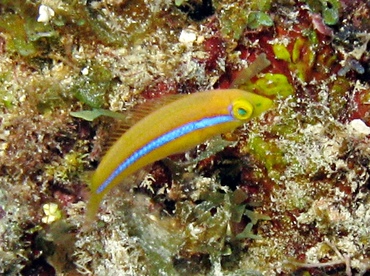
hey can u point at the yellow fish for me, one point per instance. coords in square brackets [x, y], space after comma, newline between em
[173, 128]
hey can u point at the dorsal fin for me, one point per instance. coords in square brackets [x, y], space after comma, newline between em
[144, 108]
[135, 114]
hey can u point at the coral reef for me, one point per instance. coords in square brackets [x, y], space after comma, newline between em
[285, 194]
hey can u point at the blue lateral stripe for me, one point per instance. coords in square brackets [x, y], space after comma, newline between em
[162, 140]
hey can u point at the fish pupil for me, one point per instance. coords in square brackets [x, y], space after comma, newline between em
[242, 112]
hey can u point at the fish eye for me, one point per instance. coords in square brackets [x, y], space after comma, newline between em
[242, 112]
[242, 109]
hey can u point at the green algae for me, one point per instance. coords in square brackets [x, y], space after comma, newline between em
[281, 52]
[268, 153]
[234, 22]
[92, 88]
[29, 38]
[24, 35]
[271, 85]
[88, 21]
[209, 225]
[329, 9]
[236, 17]
[6, 97]
[274, 85]
[259, 19]
[247, 232]
[304, 56]
[18, 40]
[338, 96]
[195, 230]
[259, 16]
[91, 115]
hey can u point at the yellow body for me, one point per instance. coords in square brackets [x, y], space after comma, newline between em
[241, 104]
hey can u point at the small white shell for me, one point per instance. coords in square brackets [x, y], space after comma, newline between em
[45, 14]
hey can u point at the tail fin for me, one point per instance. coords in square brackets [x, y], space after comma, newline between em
[91, 211]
